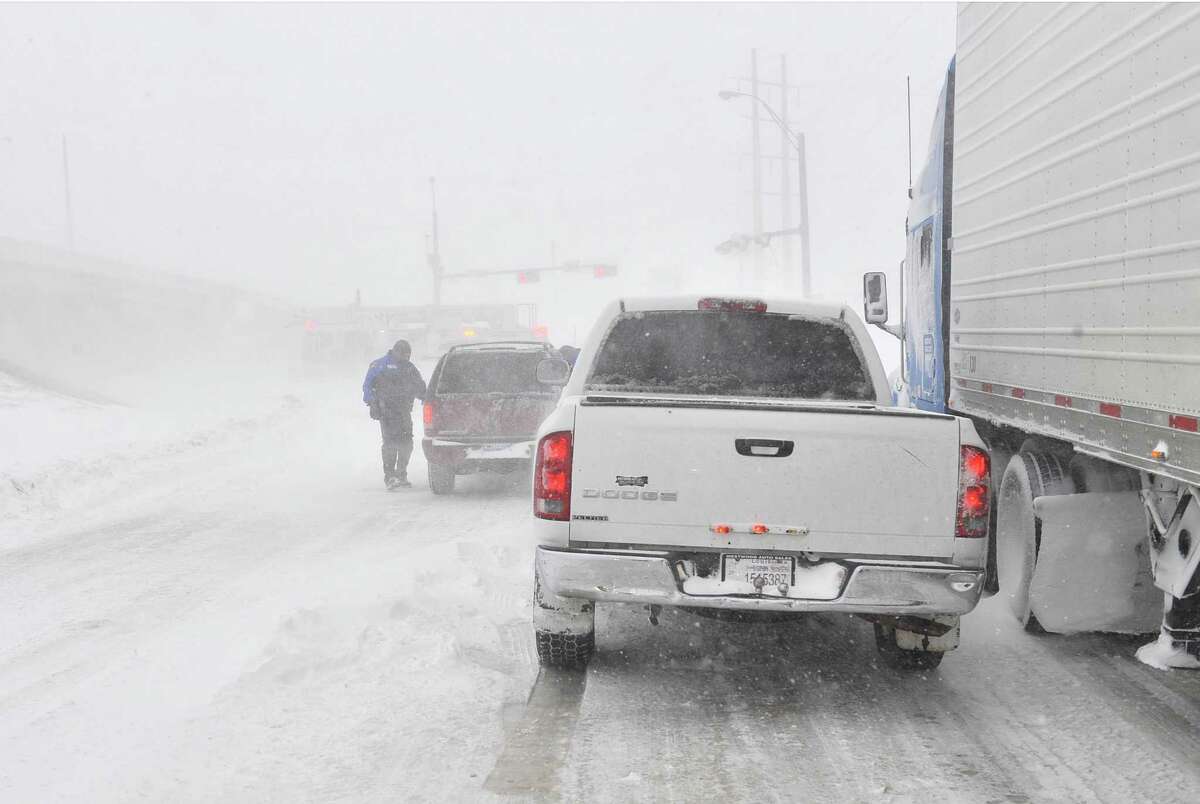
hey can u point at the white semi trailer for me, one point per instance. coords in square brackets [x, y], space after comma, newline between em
[1051, 292]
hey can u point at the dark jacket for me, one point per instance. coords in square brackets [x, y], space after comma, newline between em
[391, 385]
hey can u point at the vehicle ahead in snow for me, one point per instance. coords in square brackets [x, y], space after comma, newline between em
[746, 455]
[483, 407]
[1050, 293]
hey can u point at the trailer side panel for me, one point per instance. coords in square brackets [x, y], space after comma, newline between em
[1075, 295]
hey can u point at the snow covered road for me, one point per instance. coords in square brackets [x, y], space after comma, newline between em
[255, 618]
[697, 709]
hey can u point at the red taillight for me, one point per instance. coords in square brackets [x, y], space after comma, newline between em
[974, 483]
[975, 463]
[733, 305]
[552, 477]
[759, 529]
[975, 500]
[427, 415]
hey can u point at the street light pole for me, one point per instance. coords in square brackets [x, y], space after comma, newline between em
[435, 256]
[802, 189]
[785, 188]
[69, 214]
[797, 141]
[757, 166]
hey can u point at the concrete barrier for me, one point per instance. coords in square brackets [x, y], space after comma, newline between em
[100, 329]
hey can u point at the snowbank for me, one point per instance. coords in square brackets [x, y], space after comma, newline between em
[63, 454]
[261, 620]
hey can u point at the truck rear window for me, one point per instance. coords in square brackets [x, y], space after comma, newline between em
[730, 354]
[486, 372]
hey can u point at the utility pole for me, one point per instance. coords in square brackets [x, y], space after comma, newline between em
[805, 256]
[908, 106]
[69, 218]
[790, 140]
[785, 190]
[435, 256]
[757, 158]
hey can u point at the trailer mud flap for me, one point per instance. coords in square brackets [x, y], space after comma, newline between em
[1093, 566]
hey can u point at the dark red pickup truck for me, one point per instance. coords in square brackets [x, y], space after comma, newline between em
[483, 410]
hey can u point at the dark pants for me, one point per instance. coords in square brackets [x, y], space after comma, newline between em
[397, 445]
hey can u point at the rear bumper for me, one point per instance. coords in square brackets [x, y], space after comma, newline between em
[511, 454]
[658, 578]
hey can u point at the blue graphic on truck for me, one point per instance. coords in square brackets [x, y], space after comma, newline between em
[925, 285]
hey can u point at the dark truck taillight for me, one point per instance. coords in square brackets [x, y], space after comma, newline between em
[974, 492]
[552, 477]
[427, 416]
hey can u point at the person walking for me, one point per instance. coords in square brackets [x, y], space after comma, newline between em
[391, 385]
[569, 354]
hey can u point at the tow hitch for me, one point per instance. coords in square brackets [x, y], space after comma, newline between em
[914, 625]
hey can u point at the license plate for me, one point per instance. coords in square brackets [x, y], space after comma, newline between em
[761, 571]
[521, 450]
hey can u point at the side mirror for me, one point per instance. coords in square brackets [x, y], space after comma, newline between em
[875, 308]
[553, 371]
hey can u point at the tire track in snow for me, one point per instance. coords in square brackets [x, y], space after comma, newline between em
[536, 746]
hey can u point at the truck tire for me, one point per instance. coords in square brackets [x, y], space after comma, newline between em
[1092, 474]
[1018, 531]
[565, 651]
[441, 478]
[564, 629]
[900, 659]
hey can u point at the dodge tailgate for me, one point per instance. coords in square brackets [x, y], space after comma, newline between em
[719, 474]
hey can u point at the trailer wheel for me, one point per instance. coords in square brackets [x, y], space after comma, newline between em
[1018, 531]
[1000, 456]
[1091, 474]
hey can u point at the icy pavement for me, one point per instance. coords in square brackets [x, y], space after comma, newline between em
[254, 618]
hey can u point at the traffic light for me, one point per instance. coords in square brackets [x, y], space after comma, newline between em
[528, 277]
[603, 271]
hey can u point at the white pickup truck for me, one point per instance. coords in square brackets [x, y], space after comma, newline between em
[718, 453]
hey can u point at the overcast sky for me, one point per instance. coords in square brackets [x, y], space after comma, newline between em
[287, 148]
